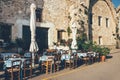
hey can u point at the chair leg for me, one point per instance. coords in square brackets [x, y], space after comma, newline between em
[57, 67]
[30, 72]
[65, 64]
[51, 67]
[54, 67]
[18, 75]
[24, 74]
[12, 76]
[47, 67]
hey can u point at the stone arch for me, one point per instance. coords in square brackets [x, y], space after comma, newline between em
[112, 9]
[110, 5]
[91, 4]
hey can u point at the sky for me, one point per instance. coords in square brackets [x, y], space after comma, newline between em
[116, 2]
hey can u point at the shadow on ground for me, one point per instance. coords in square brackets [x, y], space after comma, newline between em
[109, 57]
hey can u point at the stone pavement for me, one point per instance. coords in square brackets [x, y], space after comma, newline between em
[109, 70]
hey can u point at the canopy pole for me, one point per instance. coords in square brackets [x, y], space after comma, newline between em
[33, 59]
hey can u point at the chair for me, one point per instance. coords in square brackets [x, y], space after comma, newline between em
[86, 59]
[75, 58]
[47, 66]
[57, 62]
[14, 69]
[1, 64]
[69, 63]
[91, 58]
[97, 57]
[27, 66]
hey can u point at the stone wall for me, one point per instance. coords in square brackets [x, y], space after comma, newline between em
[10, 10]
[61, 14]
[105, 11]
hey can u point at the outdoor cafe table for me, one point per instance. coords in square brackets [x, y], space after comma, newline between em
[45, 57]
[8, 63]
[80, 55]
[65, 57]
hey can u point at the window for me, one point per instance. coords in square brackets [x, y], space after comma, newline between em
[99, 20]
[59, 34]
[38, 14]
[107, 22]
[100, 40]
[5, 32]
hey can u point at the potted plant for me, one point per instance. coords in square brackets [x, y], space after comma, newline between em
[105, 51]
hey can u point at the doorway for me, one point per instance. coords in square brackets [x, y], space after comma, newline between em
[5, 32]
[41, 37]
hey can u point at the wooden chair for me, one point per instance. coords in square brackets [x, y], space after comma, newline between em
[75, 59]
[14, 70]
[47, 66]
[57, 62]
[86, 60]
[1, 64]
[97, 57]
[69, 63]
[27, 66]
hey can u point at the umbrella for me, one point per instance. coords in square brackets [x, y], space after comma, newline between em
[33, 45]
[74, 42]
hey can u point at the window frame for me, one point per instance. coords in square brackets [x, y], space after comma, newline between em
[99, 20]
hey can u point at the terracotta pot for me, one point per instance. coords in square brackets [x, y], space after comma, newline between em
[103, 58]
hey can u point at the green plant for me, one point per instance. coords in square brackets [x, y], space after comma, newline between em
[97, 48]
[105, 51]
[69, 31]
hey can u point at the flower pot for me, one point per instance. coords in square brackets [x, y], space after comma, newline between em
[103, 58]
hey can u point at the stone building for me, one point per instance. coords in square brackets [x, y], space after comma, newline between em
[102, 22]
[96, 18]
[118, 27]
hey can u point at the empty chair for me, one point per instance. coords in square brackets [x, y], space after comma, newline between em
[86, 59]
[47, 66]
[27, 68]
[57, 62]
[69, 61]
[14, 70]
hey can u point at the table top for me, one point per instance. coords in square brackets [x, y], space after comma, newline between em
[65, 57]
[5, 55]
[8, 63]
[45, 57]
[82, 55]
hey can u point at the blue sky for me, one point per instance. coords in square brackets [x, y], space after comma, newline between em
[116, 2]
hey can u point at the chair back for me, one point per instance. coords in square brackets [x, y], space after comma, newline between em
[16, 67]
[16, 64]
[57, 57]
[27, 63]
